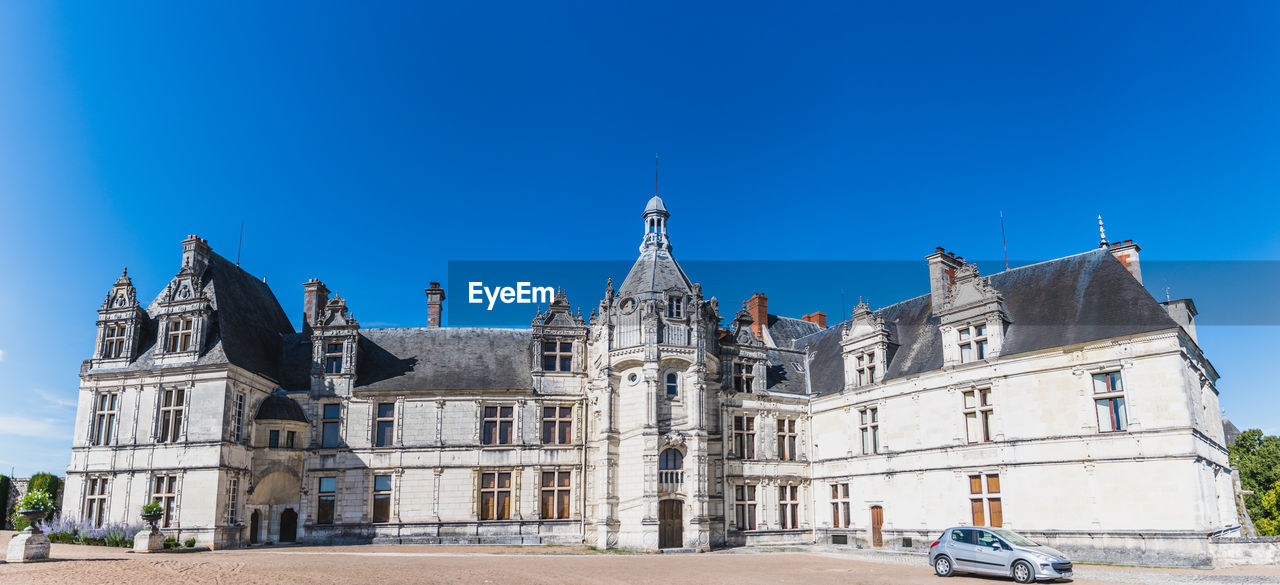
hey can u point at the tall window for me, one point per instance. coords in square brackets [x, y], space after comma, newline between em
[495, 495]
[557, 356]
[273, 438]
[787, 439]
[1108, 390]
[164, 489]
[333, 358]
[325, 497]
[289, 439]
[237, 428]
[171, 404]
[744, 437]
[788, 507]
[839, 505]
[865, 368]
[675, 306]
[557, 425]
[385, 425]
[233, 500]
[113, 342]
[179, 335]
[985, 496]
[497, 425]
[104, 421]
[869, 425]
[673, 385]
[973, 343]
[670, 469]
[381, 498]
[743, 378]
[330, 425]
[977, 415]
[95, 502]
[744, 506]
[555, 494]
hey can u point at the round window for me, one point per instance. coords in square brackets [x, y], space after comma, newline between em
[632, 378]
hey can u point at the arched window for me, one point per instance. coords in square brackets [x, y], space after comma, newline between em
[673, 385]
[670, 470]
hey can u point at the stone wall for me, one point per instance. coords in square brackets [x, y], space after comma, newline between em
[1231, 552]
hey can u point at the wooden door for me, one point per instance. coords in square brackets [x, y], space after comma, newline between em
[255, 521]
[288, 525]
[670, 524]
[877, 521]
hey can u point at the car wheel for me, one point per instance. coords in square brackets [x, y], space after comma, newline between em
[942, 566]
[1023, 573]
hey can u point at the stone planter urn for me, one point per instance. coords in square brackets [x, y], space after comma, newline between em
[32, 516]
[31, 544]
[149, 540]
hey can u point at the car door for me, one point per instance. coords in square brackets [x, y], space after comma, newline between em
[961, 549]
[991, 555]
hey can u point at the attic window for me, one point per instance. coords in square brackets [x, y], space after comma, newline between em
[557, 356]
[179, 335]
[333, 358]
[113, 345]
[973, 343]
[743, 378]
[866, 368]
[675, 306]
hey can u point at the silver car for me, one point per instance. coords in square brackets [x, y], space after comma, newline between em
[995, 551]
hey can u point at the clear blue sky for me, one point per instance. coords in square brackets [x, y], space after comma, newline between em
[370, 144]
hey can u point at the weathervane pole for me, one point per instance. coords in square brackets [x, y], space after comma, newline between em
[1003, 242]
[655, 174]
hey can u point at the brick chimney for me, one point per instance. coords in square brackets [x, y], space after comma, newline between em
[942, 274]
[435, 304]
[314, 298]
[1127, 253]
[758, 307]
[819, 319]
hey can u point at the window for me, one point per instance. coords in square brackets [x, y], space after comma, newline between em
[788, 507]
[273, 439]
[670, 469]
[495, 495]
[744, 506]
[237, 424]
[171, 403]
[233, 500]
[985, 496]
[673, 385]
[977, 415]
[289, 439]
[675, 306]
[333, 358]
[104, 422]
[1108, 389]
[557, 356]
[95, 502]
[385, 425]
[113, 342]
[555, 495]
[869, 424]
[865, 368]
[330, 426]
[381, 498]
[839, 505]
[742, 377]
[179, 335]
[557, 425]
[973, 343]
[164, 489]
[787, 439]
[325, 499]
[744, 437]
[498, 422]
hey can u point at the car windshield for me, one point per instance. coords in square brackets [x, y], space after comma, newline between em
[1014, 538]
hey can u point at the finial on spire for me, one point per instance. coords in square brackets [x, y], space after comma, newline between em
[1102, 234]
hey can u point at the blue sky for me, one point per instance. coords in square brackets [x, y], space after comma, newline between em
[370, 145]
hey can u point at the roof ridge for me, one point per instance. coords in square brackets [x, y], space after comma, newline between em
[1045, 261]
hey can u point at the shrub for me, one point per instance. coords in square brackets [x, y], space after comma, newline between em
[5, 485]
[69, 531]
[170, 542]
[18, 522]
[189, 543]
[47, 483]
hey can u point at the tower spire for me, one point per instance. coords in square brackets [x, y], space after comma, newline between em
[1102, 234]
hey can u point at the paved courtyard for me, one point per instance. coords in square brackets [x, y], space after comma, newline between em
[536, 565]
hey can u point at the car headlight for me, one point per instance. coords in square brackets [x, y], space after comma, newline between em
[1043, 558]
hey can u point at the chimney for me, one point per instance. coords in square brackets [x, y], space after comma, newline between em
[195, 253]
[1127, 253]
[1183, 312]
[435, 303]
[314, 298]
[942, 274]
[758, 307]
[819, 319]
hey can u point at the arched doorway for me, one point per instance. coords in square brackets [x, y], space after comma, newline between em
[288, 525]
[670, 524]
[255, 522]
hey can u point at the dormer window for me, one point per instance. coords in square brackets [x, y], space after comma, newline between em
[675, 306]
[743, 378]
[557, 356]
[333, 358]
[113, 342]
[865, 370]
[179, 335]
[973, 343]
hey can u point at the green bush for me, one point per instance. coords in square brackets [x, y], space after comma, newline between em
[18, 522]
[35, 499]
[6, 484]
[170, 542]
[47, 483]
[189, 543]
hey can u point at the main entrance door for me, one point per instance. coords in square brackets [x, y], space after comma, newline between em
[670, 524]
[255, 520]
[288, 525]
[877, 521]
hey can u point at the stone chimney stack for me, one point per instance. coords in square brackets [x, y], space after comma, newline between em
[942, 274]
[195, 253]
[435, 304]
[758, 307]
[314, 298]
[1127, 253]
[1183, 312]
[819, 319]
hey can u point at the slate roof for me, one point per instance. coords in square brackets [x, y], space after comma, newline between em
[786, 330]
[277, 406]
[1061, 302]
[785, 371]
[655, 271]
[446, 358]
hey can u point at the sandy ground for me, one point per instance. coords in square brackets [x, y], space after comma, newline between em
[363, 565]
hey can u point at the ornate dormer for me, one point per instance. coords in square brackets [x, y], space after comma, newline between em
[972, 319]
[744, 363]
[335, 341]
[559, 339]
[867, 346]
[185, 306]
[120, 322]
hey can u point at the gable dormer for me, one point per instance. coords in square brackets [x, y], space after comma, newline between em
[866, 346]
[972, 319]
[743, 366]
[559, 339]
[335, 341]
[185, 306]
[120, 321]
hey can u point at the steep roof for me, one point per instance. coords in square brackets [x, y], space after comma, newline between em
[655, 271]
[786, 330]
[452, 358]
[277, 406]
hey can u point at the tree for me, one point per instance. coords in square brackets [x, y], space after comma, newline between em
[1258, 458]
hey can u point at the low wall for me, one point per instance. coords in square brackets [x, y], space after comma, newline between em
[1232, 552]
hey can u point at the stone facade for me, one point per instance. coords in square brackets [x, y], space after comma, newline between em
[1057, 399]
